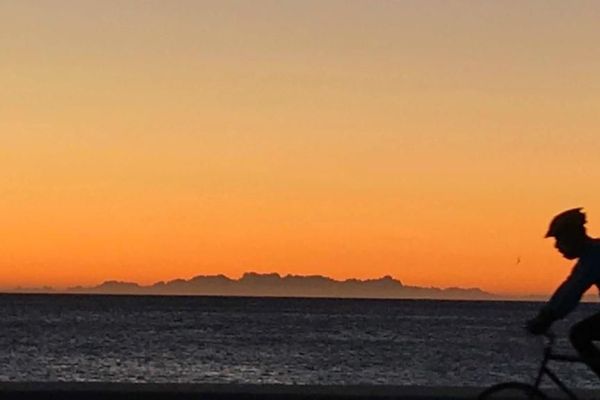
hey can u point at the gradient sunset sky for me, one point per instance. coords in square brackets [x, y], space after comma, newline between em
[428, 140]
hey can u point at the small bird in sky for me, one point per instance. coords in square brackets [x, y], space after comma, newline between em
[518, 260]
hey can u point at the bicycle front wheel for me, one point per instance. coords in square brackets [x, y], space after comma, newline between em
[512, 391]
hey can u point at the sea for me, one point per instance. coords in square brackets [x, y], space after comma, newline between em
[275, 341]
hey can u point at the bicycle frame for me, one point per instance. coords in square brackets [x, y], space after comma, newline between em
[544, 370]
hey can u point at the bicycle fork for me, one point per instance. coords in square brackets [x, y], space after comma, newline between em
[544, 370]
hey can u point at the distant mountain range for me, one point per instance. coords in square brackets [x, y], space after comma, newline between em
[275, 285]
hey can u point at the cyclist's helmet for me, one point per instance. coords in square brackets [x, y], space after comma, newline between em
[567, 221]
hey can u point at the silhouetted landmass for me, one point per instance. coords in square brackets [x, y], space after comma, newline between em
[587, 298]
[35, 290]
[274, 285]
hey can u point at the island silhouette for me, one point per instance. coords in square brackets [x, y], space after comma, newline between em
[275, 285]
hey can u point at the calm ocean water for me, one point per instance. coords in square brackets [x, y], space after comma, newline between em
[262, 340]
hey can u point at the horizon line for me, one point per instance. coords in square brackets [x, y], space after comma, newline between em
[49, 289]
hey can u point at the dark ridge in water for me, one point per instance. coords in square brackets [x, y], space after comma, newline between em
[254, 284]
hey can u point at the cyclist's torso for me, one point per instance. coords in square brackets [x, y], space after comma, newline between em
[585, 274]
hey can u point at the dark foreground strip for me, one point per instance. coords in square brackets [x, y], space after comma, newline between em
[148, 391]
[93, 391]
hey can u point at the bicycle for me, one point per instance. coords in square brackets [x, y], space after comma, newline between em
[515, 390]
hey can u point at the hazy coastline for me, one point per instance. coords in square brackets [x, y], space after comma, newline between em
[274, 285]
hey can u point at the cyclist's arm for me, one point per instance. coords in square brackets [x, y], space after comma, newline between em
[568, 294]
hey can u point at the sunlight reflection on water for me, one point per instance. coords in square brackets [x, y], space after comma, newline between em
[304, 341]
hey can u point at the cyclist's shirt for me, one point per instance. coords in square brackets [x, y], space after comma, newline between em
[585, 273]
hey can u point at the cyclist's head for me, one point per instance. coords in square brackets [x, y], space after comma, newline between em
[568, 228]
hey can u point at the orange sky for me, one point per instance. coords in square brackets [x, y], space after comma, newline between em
[428, 140]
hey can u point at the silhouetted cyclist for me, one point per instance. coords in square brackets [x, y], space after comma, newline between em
[573, 242]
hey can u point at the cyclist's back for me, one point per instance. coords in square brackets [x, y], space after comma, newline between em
[572, 241]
